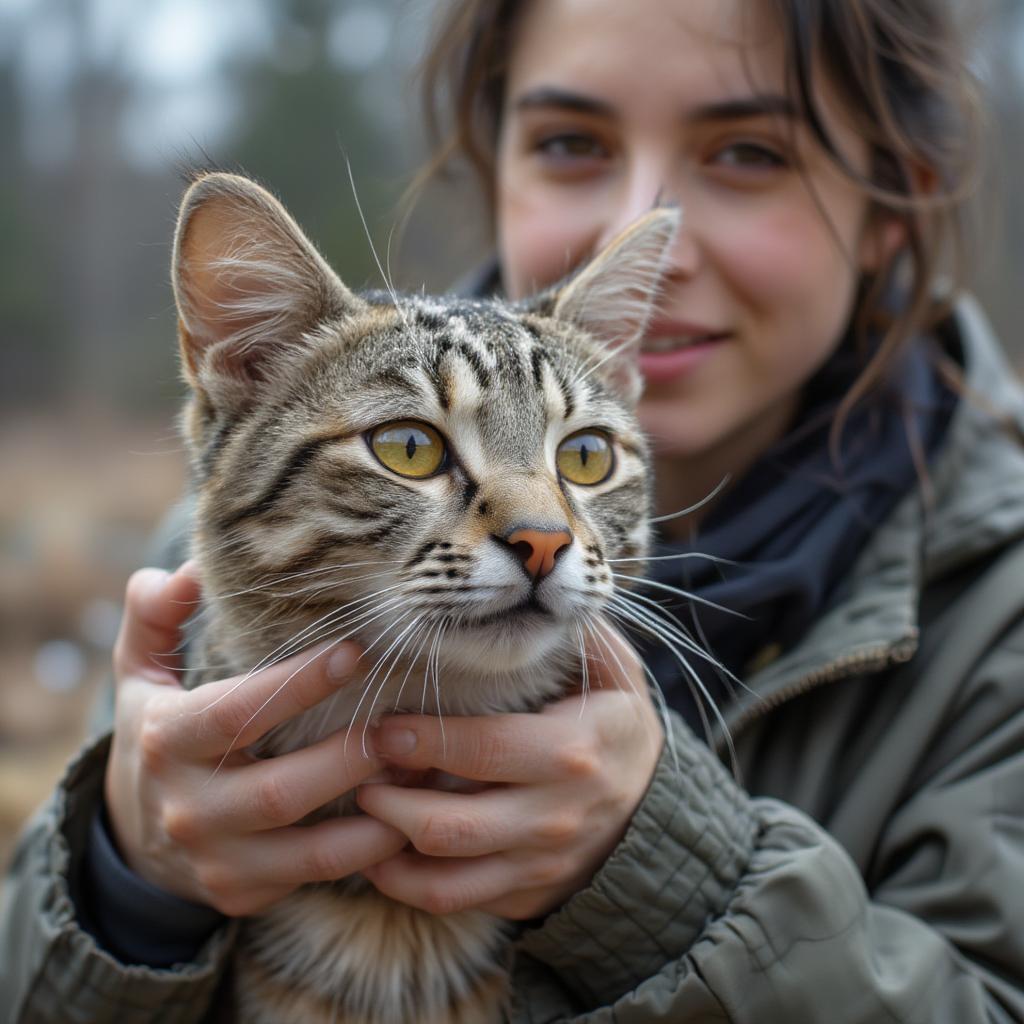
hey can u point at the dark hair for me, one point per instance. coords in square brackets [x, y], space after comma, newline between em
[899, 67]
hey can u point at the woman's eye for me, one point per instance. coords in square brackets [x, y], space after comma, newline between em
[408, 448]
[571, 146]
[585, 458]
[749, 155]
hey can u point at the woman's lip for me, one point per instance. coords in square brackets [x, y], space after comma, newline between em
[662, 367]
[681, 329]
[662, 344]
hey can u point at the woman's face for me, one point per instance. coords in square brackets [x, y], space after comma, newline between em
[612, 106]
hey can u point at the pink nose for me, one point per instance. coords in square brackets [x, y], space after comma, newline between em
[538, 549]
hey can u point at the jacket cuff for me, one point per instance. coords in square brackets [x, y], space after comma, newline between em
[675, 870]
[72, 978]
[135, 920]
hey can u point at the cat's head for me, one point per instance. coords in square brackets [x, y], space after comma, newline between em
[425, 474]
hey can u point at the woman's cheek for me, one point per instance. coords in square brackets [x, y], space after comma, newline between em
[540, 239]
[769, 260]
[790, 275]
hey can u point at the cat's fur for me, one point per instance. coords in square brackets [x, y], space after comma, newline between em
[302, 536]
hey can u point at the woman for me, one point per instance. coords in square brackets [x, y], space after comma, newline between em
[865, 860]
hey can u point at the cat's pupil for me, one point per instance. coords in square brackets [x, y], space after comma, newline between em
[410, 447]
[584, 454]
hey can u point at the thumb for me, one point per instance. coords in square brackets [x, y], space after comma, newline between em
[157, 604]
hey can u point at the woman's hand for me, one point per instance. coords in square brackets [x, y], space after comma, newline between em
[191, 811]
[561, 788]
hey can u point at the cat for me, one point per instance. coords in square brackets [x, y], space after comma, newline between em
[445, 480]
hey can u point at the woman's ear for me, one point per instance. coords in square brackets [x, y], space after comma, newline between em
[885, 233]
[884, 236]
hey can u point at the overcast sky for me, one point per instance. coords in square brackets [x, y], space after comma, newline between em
[171, 52]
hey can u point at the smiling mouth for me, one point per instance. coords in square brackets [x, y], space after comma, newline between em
[656, 346]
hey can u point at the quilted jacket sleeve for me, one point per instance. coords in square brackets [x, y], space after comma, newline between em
[51, 969]
[718, 906]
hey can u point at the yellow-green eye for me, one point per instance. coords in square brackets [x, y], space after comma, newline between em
[408, 448]
[585, 457]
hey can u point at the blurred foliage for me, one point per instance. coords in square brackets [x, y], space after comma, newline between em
[303, 158]
[86, 313]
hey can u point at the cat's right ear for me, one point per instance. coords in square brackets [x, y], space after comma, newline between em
[614, 295]
[249, 285]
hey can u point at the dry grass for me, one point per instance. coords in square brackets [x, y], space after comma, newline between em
[79, 499]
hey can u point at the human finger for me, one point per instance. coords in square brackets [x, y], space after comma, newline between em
[282, 790]
[232, 713]
[440, 885]
[441, 824]
[256, 873]
[157, 603]
[515, 748]
[324, 852]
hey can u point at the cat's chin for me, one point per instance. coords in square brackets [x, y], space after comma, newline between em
[506, 645]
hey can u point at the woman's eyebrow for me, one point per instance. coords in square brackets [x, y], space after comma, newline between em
[547, 96]
[762, 105]
[739, 109]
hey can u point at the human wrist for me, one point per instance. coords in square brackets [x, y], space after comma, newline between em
[135, 920]
[678, 866]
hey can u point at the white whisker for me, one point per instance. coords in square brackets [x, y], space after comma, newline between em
[666, 621]
[381, 661]
[304, 638]
[653, 685]
[288, 577]
[723, 483]
[584, 670]
[325, 650]
[686, 595]
[672, 558]
[411, 664]
[436, 654]
[373, 250]
[231, 747]
[643, 621]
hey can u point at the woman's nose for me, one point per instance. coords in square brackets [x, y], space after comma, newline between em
[644, 192]
[687, 254]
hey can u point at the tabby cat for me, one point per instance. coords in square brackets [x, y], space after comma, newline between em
[444, 481]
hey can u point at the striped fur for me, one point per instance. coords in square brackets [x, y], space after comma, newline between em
[302, 536]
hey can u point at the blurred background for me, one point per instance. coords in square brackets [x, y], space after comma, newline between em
[103, 103]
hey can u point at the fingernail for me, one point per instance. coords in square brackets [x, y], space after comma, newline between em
[395, 741]
[155, 582]
[341, 662]
[189, 568]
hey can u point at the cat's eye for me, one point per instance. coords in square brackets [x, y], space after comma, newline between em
[585, 458]
[408, 448]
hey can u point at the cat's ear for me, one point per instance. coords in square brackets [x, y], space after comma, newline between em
[249, 285]
[615, 294]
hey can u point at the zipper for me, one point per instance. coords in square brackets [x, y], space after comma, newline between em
[871, 659]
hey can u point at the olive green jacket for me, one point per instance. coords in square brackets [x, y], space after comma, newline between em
[869, 865]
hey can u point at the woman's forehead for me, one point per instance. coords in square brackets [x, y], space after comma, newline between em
[647, 61]
[694, 48]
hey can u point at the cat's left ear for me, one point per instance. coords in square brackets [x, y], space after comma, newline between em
[615, 294]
